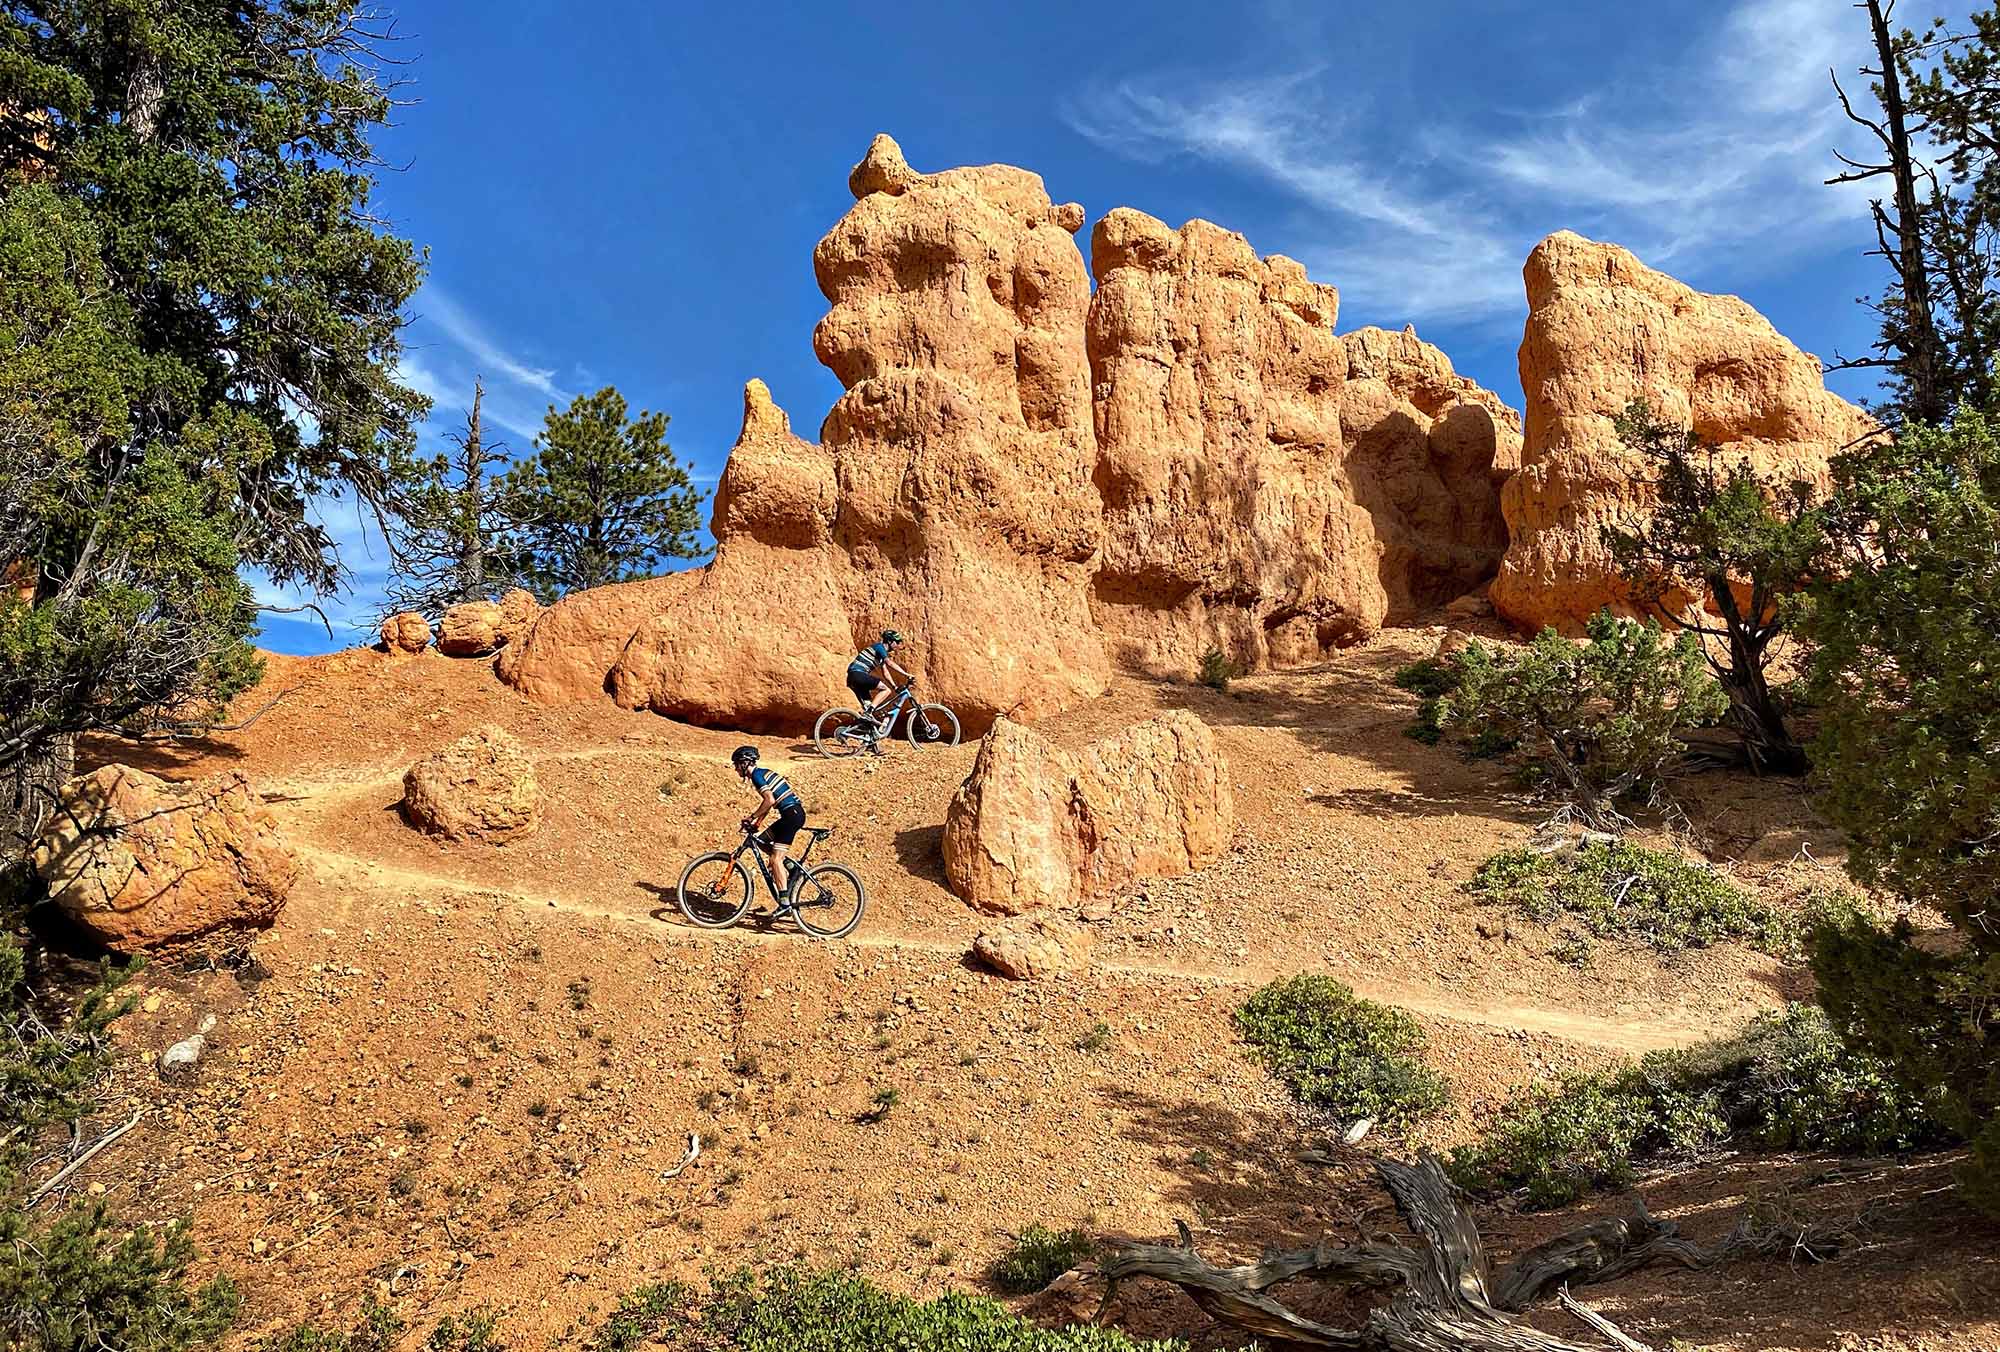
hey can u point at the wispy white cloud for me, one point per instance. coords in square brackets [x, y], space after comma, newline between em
[438, 307]
[1687, 162]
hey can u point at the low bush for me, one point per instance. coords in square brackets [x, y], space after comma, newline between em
[1217, 670]
[1430, 679]
[79, 1280]
[794, 1310]
[1618, 889]
[1786, 1083]
[1038, 1256]
[1340, 1053]
[1596, 721]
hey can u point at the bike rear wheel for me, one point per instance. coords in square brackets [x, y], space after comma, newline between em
[932, 725]
[840, 732]
[714, 891]
[829, 901]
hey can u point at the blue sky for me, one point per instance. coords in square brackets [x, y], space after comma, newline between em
[634, 199]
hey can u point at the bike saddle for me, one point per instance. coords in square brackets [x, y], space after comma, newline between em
[819, 832]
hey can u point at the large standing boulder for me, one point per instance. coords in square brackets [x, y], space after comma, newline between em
[1036, 827]
[406, 632]
[143, 863]
[481, 787]
[1602, 330]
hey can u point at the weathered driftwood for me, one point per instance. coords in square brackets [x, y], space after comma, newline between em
[1446, 1297]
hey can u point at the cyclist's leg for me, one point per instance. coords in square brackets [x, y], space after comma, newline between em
[782, 832]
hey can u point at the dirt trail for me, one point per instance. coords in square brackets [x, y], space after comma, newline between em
[1632, 1036]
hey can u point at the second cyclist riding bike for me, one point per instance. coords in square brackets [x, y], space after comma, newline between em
[842, 732]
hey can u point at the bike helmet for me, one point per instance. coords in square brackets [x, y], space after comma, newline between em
[892, 636]
[743, 757]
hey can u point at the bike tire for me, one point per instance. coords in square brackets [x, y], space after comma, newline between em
[827, 739]
[709, 904]
[932, 725]
[805, 902]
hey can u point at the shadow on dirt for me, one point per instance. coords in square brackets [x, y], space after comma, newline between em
[1914, 1251]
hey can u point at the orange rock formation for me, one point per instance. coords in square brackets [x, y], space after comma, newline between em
[1603, 329]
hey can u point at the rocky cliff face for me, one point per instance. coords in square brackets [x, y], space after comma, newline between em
[1035, 482]
[1603, 329]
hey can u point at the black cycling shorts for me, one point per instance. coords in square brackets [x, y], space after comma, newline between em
[862, 683]
[785, 828]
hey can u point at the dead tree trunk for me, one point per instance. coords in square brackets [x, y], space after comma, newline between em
[1445, 1297]
[28, 789]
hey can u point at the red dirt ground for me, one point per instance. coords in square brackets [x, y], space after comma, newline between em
[468, 1067]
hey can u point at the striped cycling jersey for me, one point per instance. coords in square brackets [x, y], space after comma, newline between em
[779, 788]
[870, 657]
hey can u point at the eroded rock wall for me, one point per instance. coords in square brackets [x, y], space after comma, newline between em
[1035, 483]
[1603, 329]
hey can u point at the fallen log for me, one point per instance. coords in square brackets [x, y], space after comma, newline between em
[1446, 1298]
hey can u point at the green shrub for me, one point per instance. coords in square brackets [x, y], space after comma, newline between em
[1622, 890]
[78, 1280]
[1428, 677]
[1906, 670]
[1337, 1052]
[793, 1310]
[1431, 679]
[1217, 670]
[378, 1330]
[1786, 1083]
[83, 1282]
[1598, 720]
[1038, 1256]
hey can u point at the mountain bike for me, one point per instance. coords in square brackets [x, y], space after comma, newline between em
[842, 732]
[826, 901]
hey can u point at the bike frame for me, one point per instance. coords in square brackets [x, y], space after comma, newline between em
[764, 864]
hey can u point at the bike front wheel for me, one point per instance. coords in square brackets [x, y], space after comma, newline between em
[829, 902]
[840, 732]
[714, 891]
[932, 725]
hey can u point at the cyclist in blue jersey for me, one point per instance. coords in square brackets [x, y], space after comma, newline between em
[775, 794]
[870, 673]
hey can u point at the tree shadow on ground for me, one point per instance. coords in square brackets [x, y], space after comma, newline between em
[172, 758]
[1918, 1259]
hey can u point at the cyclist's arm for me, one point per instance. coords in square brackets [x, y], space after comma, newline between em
[895, 670]
[763, 808]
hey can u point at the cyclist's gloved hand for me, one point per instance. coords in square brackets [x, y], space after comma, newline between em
[746, 824]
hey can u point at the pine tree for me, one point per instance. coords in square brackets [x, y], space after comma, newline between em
[199, 322]
[602, 499]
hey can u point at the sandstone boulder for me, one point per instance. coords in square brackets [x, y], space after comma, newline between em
[1035, 827]
[1603, 329]
[568, 650]
[406, 632]
[144, 863]
[470, 629]
[481, 787]
[1033, 947]
[518, 608]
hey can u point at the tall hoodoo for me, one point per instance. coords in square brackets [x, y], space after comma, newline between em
[1035, 482]
[1603, 329]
